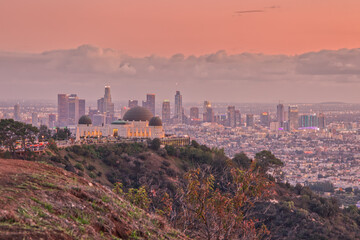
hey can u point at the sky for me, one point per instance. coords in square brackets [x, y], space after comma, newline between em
[229, 50]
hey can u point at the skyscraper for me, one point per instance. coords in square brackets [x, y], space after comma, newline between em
[265, 119]
[208, 115]
[194, 113]
[178, 115]
[306, 121]
[150, 103]
[238, 117]
[70, 109]
[81, 107]
[133, 103]
[280, 114]
[250, 120]
[322, 121]
[231, 116]
[73, 101]
[105, 104]
[293, 118]
[63, 110]
[207, 104]
[17, 112]
[166, 111]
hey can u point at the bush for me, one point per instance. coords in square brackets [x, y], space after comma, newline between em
[91, 167]
[79, 166]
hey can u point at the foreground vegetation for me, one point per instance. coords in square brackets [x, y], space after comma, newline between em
[206, 195]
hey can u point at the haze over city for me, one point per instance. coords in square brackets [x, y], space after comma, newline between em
[228, 51]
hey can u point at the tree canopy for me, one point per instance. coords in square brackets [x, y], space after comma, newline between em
[12, 132]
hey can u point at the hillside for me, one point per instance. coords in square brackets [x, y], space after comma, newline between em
[291, 212]
[39, 201]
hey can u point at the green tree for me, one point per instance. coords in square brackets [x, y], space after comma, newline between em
[12, 132]
[242, 160]
[44, 133]
[155, 144]
[62, 134]
[266, 161]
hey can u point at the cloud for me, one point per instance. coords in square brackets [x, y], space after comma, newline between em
[239, 13]
[250, 11]
[219, 75]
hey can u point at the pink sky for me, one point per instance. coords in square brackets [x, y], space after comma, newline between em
[166, 27]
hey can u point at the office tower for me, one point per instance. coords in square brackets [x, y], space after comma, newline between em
[231, 116]
[293, 118]
[280, 114]
[70, 109]
[238, 117]
[63, 110]
[322, 122]
[249, 120]
[34, 119]
[178, 115]
[207, 104]
[308, 121]
[150, 103]
[105, 104]
[265, 119]
[194, 113]
[208, 115]
[17, 112]
[73, 101]
[81, 107]
[52, 120]
[166, 111]
[133, 103]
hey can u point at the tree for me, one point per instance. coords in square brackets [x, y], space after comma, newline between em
[266, 161]
[12, 132]
[155, 144]
[44, 133]
[62, 134]
[211, 214]
[242, 160]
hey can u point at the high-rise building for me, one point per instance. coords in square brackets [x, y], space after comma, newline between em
[265, 119]
[231, 116]
[280, 114]
[150, 103]
[17, 112]
[208, 115]
[70, 109]
[250, 120]
[166, 111]
[133, 103]
[307, 121]
[52, 120]
[63, 110]
[34, 119]
[238, 117]
[178, 115]
[82, 107]
[74, 116]
[194, 113]
[105, 104]
[207, 104]
[322, 122]
[293, 118]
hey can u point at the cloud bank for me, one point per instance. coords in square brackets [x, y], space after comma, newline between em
[246, 77]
